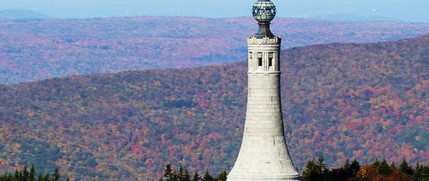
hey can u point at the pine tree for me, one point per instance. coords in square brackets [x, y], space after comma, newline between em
[355, 167]
[347, 170]
[207, 176]
[56, 175]
[169, 173]
[376, 162]
[425, 175]
[180, 174]
[25, 174]
[40, 178]
[309, 172]
[9, 177]
[186, 176]
[383, 168]
[321, 167]
[32, 176]
[346, 165]
[393, 165]
[418, 172]
[222, 176]
[47, 177]
[17, 175]
[404, 167]
[196, 177]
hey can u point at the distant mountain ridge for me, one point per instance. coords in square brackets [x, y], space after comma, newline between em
[355, 18]
[19, 14]
[35, 50]
[339, 101]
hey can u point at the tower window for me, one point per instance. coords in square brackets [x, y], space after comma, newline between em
[250, 55]
[259, 61]
[270, 59]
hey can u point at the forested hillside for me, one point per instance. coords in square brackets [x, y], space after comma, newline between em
[340, 101]
[40, 49]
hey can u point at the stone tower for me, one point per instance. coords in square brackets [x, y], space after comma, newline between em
[264, 154]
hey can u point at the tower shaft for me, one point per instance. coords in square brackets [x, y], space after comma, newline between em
[263, 154]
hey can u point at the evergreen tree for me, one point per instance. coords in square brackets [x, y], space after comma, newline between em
[355, 167]
[196, 177]
[222, 176]
[404, 167]
[376, 162]
[425, 175]
[25, 174]
[207, 176]
[421, 173]
[56, 175]
[9, 177]
[186, 176]
[392, 165]
[47, 177]
[310, 171]
[346, 165]
[180, 174]
[347, 171]
[321, 167]
[17, 175]
[383, 168]
[169, 173]
[40, 178]
[32, 176]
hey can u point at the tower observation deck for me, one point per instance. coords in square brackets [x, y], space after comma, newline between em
[263, 154]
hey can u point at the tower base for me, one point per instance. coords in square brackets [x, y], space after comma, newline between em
[263, 179]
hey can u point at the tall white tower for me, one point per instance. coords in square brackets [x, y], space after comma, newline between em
[264, 154]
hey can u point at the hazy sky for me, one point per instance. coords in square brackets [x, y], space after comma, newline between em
[402, 10]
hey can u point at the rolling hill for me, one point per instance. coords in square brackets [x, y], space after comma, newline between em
[40, 49]
[340, 101]
[20, 14]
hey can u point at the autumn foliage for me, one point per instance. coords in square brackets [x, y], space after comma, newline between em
[376, 171]
[41, 49]
[356, 101]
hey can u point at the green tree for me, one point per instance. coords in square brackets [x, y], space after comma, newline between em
[376, 162]
[32, 176]
[207, 176]
[25, 174]
[404, 167]
[355, 167]
[309, 172]
[9, 177]
[346, 165]
[393, 165]
[47, 177]
[222, 176]
[169, 173]
[320, 165]
[40, 177]
[196, 177]
[421, 173]
[56, 175]
[186, 176]
[383, 168]
[17, 175]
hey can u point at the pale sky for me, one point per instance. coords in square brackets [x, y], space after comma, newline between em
[398, 10]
